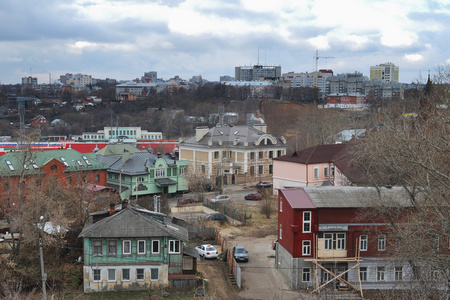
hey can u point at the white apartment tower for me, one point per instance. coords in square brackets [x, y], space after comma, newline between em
[387, 72]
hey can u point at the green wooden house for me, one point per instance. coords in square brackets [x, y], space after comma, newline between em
[134, 249]
[140, 173]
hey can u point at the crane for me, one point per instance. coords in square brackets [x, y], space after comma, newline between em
[317, 59]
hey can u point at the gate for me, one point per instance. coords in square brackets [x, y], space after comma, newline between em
[238, 275]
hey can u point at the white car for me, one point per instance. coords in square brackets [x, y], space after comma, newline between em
[220, 198]
[207, 251]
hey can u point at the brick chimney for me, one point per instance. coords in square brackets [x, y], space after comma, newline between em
[112, 209]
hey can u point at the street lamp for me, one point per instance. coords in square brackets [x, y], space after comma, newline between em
[43, 274]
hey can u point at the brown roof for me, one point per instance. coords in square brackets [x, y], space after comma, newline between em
[315, 154]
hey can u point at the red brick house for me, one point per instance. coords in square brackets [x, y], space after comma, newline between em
[322, 236]
[39, 121]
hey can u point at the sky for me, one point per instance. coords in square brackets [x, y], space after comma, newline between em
[122, 39]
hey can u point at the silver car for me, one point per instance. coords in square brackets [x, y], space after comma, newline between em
[240, 254]
[220, 198]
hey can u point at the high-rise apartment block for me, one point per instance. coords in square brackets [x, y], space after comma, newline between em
[257, 72]
[387, 72]
[76, 79]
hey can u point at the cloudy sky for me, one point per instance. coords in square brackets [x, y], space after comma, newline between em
[122, 39]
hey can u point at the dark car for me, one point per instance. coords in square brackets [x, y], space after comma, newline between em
[214, 217]
[253, 196]
[240, 254]
[264, 184]
[185, 201]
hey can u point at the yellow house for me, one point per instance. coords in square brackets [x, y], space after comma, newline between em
[232, 154]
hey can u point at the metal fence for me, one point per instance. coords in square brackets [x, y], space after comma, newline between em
[228, 209]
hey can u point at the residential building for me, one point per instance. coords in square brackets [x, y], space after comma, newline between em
[247, 90]
[135, 173]
[345, 101]
[257, 72]
[76, 79]
[387, 72]
[109, 133]
[320, 165]
[141, 89]
[313, 79]
[39, 121]
[134, 249]
[228, 154]
[322, 235]
[32, 82]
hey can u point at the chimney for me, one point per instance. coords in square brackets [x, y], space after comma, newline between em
[261, 127]
[112, 209]
[200, 132]
[125, 156]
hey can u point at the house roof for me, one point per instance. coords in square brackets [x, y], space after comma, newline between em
[133, 222]
[13, 163]
[345, 197]
[137, 163]
[118, 149]
[314, 154]
[234, 137]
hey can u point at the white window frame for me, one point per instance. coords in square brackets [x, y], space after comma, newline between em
[316, 172]
[340, 241]
[182, 170]
[398, 273]
[108, 273]
[326, 174]
[328, 241]
[138, 247]
[143, 274]
[363, 273]
[307, 222]
[381, 273]
[306, 248]
[381, 243]
[123, 247]
[140, 179]
[363, 242]
[158, 247]
[281, 204]
[129, 274]
[306, 272]
[281, 232]
[160, 172]
[173, 246]
[94, 247]
[94, 271]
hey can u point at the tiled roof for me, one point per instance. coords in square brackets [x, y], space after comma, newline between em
[315, 154]
[133, 222]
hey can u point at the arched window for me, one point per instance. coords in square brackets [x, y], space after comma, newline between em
[54, 168]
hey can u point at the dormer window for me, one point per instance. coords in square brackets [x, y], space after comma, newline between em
[54, 168]
[10, 166]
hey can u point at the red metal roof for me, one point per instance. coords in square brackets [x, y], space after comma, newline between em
[297, 198]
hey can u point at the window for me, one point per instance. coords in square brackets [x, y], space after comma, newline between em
[270, 169]
[155, 246]
[270, 154]
[126, 247]
[224, 154]
[279, 153]
[140, 274]
[97, 177]
[141, 247]
[97, 248]
[332, 171]
[281, 204]
[306, 275]
[260, 155]
[140, 179]
[306, 221]
[54, 168]
[381, 242]
[216, 154]
[203, 169]
[252, 171]
[160, 172]
[381, 274]
[363, 273]
[252, 155]
[281, 232]
[125, 274]
[182, 170]
[316, 172]
[334, 241]
[111, 274]
[306, 248]
[174, 247]
[363, 243]
[112, 247]
[398, 273]
[325, 172]
[97, 274]
[261, 170]
[154, 274]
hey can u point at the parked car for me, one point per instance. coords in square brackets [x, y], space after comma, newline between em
[214, 217]
[185, 201]
[207, 251]
[240, 254]
[253, 196]
[264, 184]
[220, 198]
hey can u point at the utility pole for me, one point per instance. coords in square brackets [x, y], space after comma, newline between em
[43, 274]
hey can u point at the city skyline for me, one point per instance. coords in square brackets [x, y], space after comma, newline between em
[123, 39]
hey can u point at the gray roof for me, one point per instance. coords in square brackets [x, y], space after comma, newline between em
[137, 164]
[229, 134]
[346, 197]
[134, 222]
